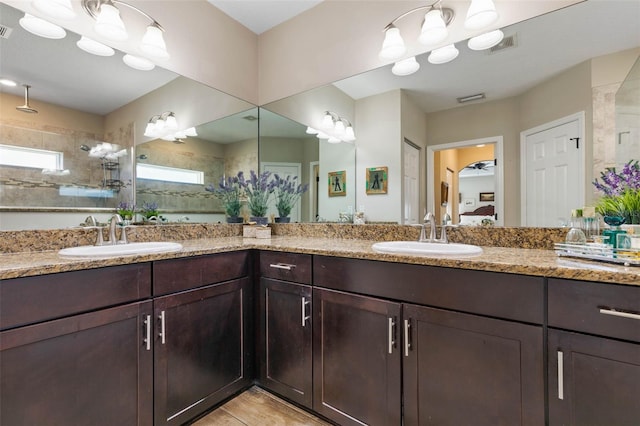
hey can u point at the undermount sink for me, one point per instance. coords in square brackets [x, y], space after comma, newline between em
[120, 249]
[417, 248]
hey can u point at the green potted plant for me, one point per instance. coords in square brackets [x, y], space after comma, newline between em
[229, 192]
[126, 210]
[258, 189]
[287, 193]
[149, 212]
[621, 191]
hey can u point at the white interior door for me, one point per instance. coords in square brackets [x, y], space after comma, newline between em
[553, 176]
[283, 170]
[411, 183]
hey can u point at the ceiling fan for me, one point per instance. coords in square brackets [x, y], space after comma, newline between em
[481, 165]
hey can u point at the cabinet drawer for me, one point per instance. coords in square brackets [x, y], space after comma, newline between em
[500, 295]
[603, 309]
[34, 299]
[170, 276]
[286, 266]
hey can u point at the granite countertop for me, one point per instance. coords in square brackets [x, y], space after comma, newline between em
[536, 262]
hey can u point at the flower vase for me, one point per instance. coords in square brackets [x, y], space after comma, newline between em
[285, 219]
[234, 219]
[259, 220]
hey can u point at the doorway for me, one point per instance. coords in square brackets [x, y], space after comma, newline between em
[434, 182]
[552, 171]
[411, 184]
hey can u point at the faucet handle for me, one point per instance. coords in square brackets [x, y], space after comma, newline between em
[99, 238]
[428, 217]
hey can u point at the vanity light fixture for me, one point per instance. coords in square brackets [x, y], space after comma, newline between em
[480, 15]
[110, 25]
[138, 63]
[41, 28]
[59, 9]
[165, 126]
[334, 128]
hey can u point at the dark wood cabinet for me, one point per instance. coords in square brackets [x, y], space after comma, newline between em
[202, 349]
[356, 359]
[285, 337]
[461, 369]
[87, 369]
[593, 380]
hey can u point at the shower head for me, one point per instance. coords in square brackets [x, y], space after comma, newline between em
[142, 157]
[85, 148]
[26, 107]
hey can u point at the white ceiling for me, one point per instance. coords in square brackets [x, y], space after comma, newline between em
[262, 15]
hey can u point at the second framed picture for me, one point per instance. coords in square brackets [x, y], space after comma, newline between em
[376, 182]
[337, 184]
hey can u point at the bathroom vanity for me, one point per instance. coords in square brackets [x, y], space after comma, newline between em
[355, 336]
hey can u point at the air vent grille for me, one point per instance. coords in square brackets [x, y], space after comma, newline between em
[5, 31]
[506, 43]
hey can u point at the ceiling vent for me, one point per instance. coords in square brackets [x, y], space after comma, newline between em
[476, 97]
[5, 31]
[506, 43]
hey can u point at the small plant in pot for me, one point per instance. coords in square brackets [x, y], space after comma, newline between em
[150, 213]
[288, 192]
[229, 192]
[621, 199]
[126, 210]
[258, 189]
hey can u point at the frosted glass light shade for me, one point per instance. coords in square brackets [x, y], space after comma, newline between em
[153, 43]
[393, 46]
[333, 139]
[109, 24]
[149, 130]
[434, 29]
[327, 122]
[339, 129]
[191, 131]
[138, 63]
[94, 47]
[481, 14]
[405, 67]
[41, 28]
[171, 124]
[322, 135]
[60, 9]
[349, 134]
[443, 55]
[311, 131]
[486, 40]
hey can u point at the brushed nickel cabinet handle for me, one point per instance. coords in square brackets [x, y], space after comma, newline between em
[407, 335]
[147, 336]
[162, 334]
[305, 317]
[392, 342]
[285, 266]
[617, 313]
[560, 375]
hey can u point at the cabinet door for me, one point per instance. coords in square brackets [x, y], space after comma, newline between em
[285, 339]
[90, 369]
[202, 354]
[356, 359]
[593, 380]
[462, 369]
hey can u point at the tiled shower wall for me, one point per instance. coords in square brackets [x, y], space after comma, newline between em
[28, 187]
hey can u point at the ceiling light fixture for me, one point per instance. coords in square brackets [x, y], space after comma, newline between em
[334, 128]
[481, 14]
[7, 82]
[165, 126]
[94, 47]
[41, 28]
[110, 25]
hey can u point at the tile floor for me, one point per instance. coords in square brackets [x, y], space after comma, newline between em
[257, 407]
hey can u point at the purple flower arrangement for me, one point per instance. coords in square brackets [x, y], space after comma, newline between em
[150, 209]
[258, 189]
[288, 192]
[621, 192]
[126, 210]
[229, 191]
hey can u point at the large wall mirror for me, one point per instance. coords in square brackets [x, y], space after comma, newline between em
[84, 142]
[565, 64]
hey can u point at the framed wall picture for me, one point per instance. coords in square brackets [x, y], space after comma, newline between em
[469, 202]
[376, 182]
[337, 184]
[487, 196]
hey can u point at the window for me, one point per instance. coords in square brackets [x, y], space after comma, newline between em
[18, 156]
[169, 174]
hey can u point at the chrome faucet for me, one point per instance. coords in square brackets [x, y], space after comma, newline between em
[430, 219]
[116, 219]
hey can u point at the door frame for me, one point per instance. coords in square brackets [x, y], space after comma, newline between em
[498, 141]
[580, 118]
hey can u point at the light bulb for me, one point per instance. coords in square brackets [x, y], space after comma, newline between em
[109, 24]
[349, 134]
[486, 40]
[327, 121]
[434, 29]
[41, 28]
[405, 67]
[138, 63]
[443, 55]
[481, 14]
[339, 128]
[393, 45]
[94, 47]
[153, 43]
